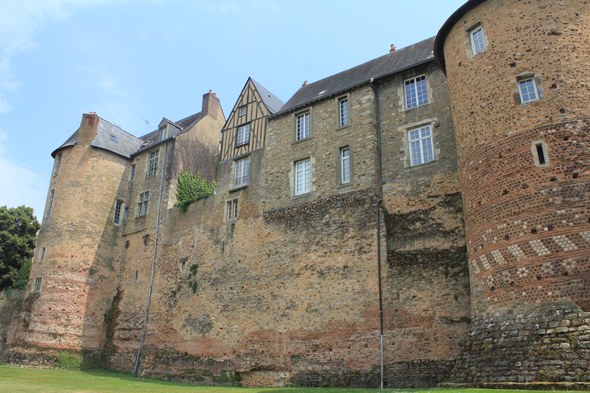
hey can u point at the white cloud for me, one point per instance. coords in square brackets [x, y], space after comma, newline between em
[19, 185]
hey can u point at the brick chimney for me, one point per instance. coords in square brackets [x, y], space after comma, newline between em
[392, 48]
[210, 104]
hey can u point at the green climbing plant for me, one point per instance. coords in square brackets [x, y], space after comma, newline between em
[192, 187]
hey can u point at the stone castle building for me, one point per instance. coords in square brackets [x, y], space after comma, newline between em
[437, 196]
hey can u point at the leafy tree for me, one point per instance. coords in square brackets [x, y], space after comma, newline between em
[22, 277]
[18, 231]
[192, 187]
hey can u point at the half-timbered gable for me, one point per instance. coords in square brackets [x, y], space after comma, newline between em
[245, 129]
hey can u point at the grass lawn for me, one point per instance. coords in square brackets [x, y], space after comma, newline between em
[15, 380]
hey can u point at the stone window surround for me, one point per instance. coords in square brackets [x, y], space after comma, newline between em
[295, 115]
[37, 284]
[401, 88]
[545, 148]
[427, 91]
[49, 203]
[232, 186]
[337, 101]
[292, 194]
[231, 215]
[433, 123]
[42, 254]
[339, 183]
[469, 43]
[121, 205]
[516, 88]
[132, 170]
[57, 164]
[155, 159]
[146, 201]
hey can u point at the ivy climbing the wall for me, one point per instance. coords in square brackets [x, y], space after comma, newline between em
[192, 187]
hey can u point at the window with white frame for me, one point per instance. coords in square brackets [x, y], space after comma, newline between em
[132, 173]
[241, 175]
[162, 134]
[57, 164]
[38, 281]
[416, 91]
[42, 254]
[302, 177]
[50, 202]
[420, 144]
[142, 204]
[152, 163]
[527, 90]
[243, 111]
[343, 109]
[243, 135]
[117, 216]
[302, 126]
[232, 210]
[345, 165]
[477, 41]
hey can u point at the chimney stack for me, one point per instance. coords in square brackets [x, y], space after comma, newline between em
[210, 104]
[304, 83]
[392, 48]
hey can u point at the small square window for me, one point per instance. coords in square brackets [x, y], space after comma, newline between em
[153, 163]
[420, 145]
[243, 137]
[416, 92]
[343, 109]
[302, 126]
[232, 210]
[302, 177]
[38, 282]
[243, 111]
[42, 254]
[527, 90]
[117, 216]
[241, 175]
[142, 205]
[345, 165]
[132, 173]
[477, 41]
[57, 164]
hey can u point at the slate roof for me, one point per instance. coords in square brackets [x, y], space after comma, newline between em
[123, 144]
[272, 102]
[391, 63]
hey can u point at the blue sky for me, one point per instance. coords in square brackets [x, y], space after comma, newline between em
[128, 60]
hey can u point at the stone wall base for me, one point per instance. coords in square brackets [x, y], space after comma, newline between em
[553, 386]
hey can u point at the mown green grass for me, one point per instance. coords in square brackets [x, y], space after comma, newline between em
[17, 380]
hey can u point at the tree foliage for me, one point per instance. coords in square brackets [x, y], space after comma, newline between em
[192, 187]
[18, 231]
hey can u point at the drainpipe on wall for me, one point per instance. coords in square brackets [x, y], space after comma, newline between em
[376, 91]
[147, 311]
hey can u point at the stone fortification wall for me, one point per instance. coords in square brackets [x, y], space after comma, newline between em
[527, 221]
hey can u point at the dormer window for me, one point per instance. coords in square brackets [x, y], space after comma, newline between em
[162, 134]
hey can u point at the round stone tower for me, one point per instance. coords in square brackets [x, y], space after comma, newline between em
[519, 74]
[73, 278]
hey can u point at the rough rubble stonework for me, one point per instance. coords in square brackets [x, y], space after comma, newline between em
[484, 250]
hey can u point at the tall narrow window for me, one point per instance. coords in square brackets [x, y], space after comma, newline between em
[132, 173]
[162, 134]
[38, 281]
[42, 254]
[540, 154]
[477, 42]
[57, 164]
[343, 105]
[527, 90]
[302, 177]
[125, 213]
[117, 216]
[302, 127]
[345, 164]
[416, 92]
[50, 202]
[241, 176]
[142, 204]
[420, 143]
[243, 135]
[153, 163]
[232, 210]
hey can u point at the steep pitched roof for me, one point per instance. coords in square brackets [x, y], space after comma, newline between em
[108, 137]
[391, 63]
[272, 102]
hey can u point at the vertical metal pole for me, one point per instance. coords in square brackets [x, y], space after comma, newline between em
[147, 311]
